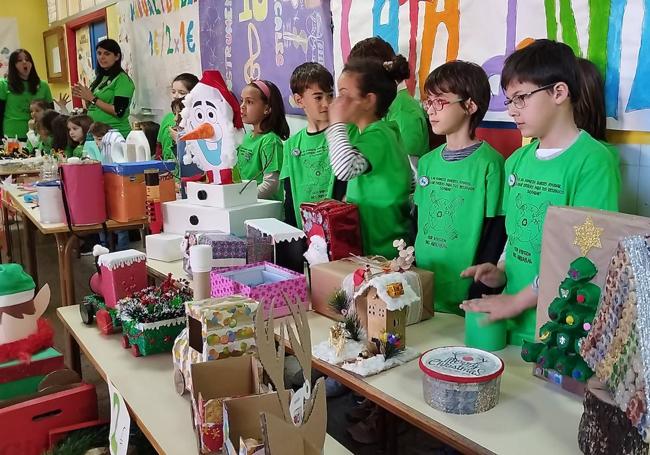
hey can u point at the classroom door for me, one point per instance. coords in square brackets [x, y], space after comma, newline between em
[98, 32]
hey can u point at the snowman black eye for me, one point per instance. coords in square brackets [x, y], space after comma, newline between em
[199, 115]
[211, 115]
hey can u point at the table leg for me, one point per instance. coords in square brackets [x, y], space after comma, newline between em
[66, 244]
[6, 226]
[28, 246]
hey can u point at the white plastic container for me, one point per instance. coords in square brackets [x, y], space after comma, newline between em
[138, 140]
[50, 201]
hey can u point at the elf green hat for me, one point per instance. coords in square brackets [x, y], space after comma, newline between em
[15, 285]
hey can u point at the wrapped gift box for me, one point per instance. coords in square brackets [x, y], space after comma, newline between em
[183, 215]
[271, 240]
[164, 247]
[125, 189]
[83, 192]
[565, 229]
[22, 378]
[337, 222]
[222, 196]
[329, 277]
[26, 423]
[263, 281]
[239, 376]
[121, 273]
[227, 250]
[216, 329]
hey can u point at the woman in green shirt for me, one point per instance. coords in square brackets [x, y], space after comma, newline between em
[17, 90]
[109, 96]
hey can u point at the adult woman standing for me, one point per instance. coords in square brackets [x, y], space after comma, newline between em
[109, 96]
[17, 90]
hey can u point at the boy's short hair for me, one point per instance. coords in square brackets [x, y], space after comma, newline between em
[465, 79]
[99, 129]
[311, 73]
[543, 62]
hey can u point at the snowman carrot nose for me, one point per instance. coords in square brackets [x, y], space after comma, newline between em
[203, 131]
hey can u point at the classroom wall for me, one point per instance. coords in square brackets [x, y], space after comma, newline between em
[31, 16]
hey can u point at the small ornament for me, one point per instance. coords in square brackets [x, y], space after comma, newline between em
[404, 259]
[587, 236]
[395, 289]
[337, 337]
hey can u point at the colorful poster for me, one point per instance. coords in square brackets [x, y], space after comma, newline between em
[84, 57]
[265, 39]
[614, 34]
[159, 40]
[8, 41]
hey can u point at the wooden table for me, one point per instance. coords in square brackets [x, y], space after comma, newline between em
[66, 244]
[147, 385]
[532, 417]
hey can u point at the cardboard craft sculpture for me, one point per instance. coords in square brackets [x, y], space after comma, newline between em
[22, 332]
[271, 240]
[289, 423]
[214, 128]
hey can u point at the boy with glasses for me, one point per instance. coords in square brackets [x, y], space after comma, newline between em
[459, 186]
[562, 166]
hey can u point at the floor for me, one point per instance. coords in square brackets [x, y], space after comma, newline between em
[410, 440]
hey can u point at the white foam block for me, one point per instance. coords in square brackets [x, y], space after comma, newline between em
[180, 216]
[222, 196]
[164, 247]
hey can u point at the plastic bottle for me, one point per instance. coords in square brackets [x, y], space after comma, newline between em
[138, 139]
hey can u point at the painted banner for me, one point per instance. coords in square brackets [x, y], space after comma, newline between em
[84, 57]
[614, 34]
[8, 42]
[264, 39]
[159, 40]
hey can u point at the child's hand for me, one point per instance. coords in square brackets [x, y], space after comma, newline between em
[63, 101]
[30, 124]
[340, 109]
[496, 307]
[173, 133]
[487, 273]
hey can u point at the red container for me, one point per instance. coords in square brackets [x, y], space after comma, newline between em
[25, 426]
[83, 191]
[337, 222]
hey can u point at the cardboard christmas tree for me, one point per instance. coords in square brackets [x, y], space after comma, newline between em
[571, 313]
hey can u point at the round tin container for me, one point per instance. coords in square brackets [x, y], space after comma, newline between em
[461, 380]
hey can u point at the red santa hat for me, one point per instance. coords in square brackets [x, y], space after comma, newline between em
[214, 79]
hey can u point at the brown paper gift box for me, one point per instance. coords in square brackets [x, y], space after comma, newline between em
[559, 250]
[328, 277]
[126, 195]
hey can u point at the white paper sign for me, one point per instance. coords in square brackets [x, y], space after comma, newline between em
[118, 436]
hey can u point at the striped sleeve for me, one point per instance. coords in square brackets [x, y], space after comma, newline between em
[347, 162]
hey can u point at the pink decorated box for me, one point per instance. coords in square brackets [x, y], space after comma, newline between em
[263, 281]
[121, 273]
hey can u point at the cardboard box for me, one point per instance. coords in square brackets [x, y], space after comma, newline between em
[22, 378]
[183, 215]
[26, 423]
[223, 196]
[559, 248]
[265, 282]
[238, 376]
[164, 247]
[327, 278]
[121, 273]
[271, 240]
[227, 250]
[337, 223]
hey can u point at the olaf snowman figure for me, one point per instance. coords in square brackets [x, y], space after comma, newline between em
[212, 119]
[22, 332]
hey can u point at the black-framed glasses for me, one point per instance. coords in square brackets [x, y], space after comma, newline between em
[438, 104]
[519, 101]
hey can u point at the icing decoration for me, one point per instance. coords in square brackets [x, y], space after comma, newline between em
[120, 259]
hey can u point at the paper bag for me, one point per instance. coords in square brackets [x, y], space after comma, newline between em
[561, 245]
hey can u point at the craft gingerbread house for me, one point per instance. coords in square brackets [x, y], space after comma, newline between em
[120, 274]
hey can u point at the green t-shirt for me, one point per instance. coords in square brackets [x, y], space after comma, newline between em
[17, 107]
[255, 152]
[121, 85]
[165, 138]
[306, 164]
[586, 174]
[382, 193]
[78, 151]
[453, 199]
[412, 122]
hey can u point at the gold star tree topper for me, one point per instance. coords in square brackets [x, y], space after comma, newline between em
[587, 236]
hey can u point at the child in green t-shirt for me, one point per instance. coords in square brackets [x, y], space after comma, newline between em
[166, 140]
[404, 110]
[563, 166]
[43, 127]
[459, 186]
[372, 161]
[260, 153]
[78, 126]
[306, 170]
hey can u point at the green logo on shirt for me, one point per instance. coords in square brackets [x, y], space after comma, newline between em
[442, 216]
[530, 220]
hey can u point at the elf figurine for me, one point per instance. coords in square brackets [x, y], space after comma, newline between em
[22, 332]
